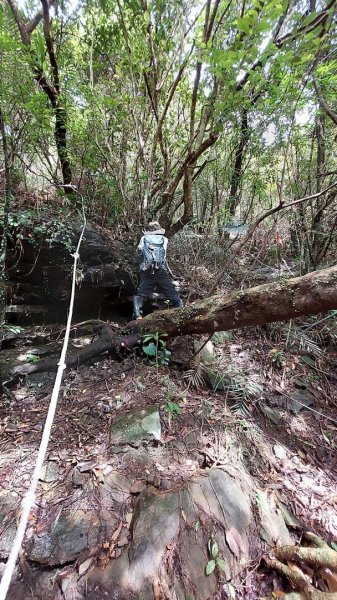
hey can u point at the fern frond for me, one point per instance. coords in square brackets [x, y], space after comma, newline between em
[240, 408]
[195, 376]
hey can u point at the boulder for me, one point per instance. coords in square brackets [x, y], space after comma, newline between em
[39, 273]
[136, 426]
[166, 526]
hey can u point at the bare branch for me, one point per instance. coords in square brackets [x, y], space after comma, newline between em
[323, 103]
[50, 45]
[34, 23]
[25, 37]
[282, 205]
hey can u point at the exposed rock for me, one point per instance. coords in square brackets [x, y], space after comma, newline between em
[72, 534]
[300, 400]
[165, 528]
[166, 484]
[136, 426]
[220, 337]
[82, 527]
[206, 352]
[107, 271]
[78, 477]
[49, 472]
[137, 487]
[273, 528]
[9, 504]
[155, 549]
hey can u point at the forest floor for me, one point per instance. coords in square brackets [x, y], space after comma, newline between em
[281, 405]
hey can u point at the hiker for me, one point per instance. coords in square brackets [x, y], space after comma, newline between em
[153, 269]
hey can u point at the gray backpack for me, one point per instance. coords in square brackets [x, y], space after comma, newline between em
[154, 255]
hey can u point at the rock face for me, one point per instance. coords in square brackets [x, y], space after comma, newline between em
[111, 542]
[39, 271]
[171, 532]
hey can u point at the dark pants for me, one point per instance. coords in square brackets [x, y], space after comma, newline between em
[161, 280]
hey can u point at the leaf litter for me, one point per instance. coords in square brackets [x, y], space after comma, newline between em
[294, 462]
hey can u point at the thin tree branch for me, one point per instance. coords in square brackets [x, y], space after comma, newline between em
[323, 103]
[50, 45]
[282, 205]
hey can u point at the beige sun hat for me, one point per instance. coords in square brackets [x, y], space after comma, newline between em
[154, 227]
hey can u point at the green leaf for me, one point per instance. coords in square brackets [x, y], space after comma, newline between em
[243, 25]
[221, 564]
[150, 350]
[13, 328]
[230, 591]
[210, 567]
[309, 361]
[172, 407]
[309, 18]
[32, 358]
[214, 550]
[148, 337]
[264, 25]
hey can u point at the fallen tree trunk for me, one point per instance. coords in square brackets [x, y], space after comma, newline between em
[281, 301]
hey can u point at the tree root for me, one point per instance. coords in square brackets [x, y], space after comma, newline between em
[314, 539]
[321, 556]
[108, 340]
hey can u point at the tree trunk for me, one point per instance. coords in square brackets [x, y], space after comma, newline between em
[52, 90]
[281, 301]
[3, 243]
[237, 168]
[61, 145]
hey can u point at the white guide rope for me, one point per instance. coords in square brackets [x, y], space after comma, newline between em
[29, 498]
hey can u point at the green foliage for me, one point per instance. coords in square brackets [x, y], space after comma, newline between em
[172, 408]
[154, 347]
[31, 358]
[27, 226]
[278, 358]
[12, 328]
[117, 68]
[216, 559]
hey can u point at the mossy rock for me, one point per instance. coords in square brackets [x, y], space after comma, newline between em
[142, 424]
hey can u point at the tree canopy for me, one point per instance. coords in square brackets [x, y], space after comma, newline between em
[182, 110]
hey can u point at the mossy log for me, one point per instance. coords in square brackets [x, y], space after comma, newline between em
[280, 301]
[308, 295]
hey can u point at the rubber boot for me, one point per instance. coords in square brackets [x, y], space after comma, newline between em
[178, 304]
[137, 307]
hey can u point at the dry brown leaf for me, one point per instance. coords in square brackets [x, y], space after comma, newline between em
[331, 580]
[156, 590]
[117, 532]
[234, 541]
[166, 437]
[84, 566]
[128, 519]
[86, 466]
